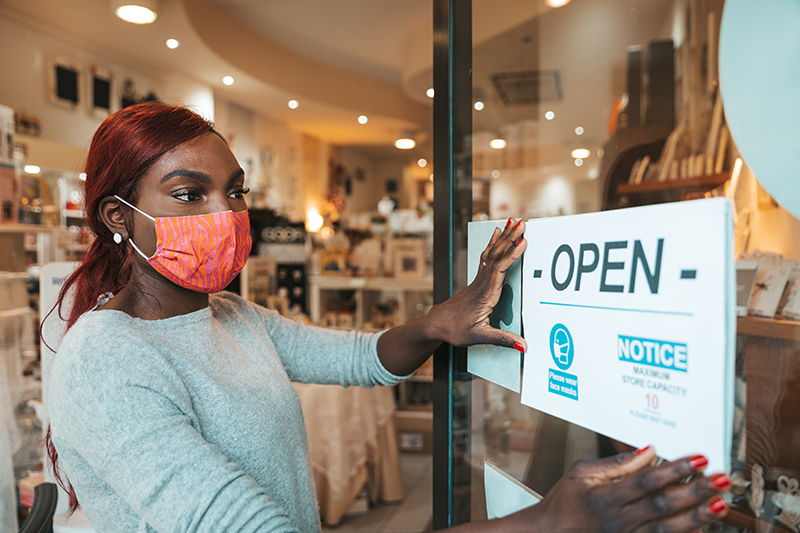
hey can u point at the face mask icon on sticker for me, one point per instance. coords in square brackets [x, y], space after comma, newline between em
[561, 346]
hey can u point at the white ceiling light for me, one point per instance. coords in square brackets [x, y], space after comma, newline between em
[228, 80]
[495, 174]
[579, 130]
[293, 104]
[405, 143]
[557, 3]
[422, 162]
[549, 115]
[172, 44]
[581, 153]
[429, 92]
[362, 119]
[497, 144]
[478, 105]
[578, 162]
[32, 169]
[136, 11]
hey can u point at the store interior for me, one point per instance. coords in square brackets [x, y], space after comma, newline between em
[577, 106]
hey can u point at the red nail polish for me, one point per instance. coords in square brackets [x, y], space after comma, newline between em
[518, 347]
[518, 223]
[717, 506]
[640, 451]
[698, 462]
[720, 481]
[509, 222]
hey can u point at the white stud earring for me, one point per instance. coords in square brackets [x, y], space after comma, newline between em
[117, 238]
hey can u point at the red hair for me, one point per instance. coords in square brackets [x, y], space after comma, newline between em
[122, 149]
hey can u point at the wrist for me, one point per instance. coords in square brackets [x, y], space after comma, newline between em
[435, 323]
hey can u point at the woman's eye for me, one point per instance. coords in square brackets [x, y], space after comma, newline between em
[187, 196]
[239, 193]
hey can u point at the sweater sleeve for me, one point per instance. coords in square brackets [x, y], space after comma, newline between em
[134, 430]
[312, 354]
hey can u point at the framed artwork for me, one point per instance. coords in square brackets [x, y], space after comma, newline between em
[101, 81]
[409, 264]
[745, 281]
[770, 282]
[789, 307]
[63, 81]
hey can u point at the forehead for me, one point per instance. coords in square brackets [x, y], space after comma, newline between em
[208, 153]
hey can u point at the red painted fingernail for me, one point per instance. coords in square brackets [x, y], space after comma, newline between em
[720, 481]
[518, 242]
[698, 462]
[640, 451]
[518, 346]
[509, 222]
[518, 223]
[717, 506]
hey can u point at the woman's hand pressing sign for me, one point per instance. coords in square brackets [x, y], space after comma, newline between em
[464, 319]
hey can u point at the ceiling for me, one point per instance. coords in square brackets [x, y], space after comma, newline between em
[342, 58]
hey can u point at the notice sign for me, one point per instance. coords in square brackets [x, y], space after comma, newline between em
[629, 319]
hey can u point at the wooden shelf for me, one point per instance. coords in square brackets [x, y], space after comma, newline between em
[775, 328]
[700, 182]
[27, 228]
[374, 284]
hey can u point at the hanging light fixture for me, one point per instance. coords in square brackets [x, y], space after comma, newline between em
[136, 11]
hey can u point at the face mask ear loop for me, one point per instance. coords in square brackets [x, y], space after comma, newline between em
[142, 212]
[134, 208]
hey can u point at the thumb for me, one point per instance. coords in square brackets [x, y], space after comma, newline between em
[506, 339]
[623, 464]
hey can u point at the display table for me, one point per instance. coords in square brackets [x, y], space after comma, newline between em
[353, 445]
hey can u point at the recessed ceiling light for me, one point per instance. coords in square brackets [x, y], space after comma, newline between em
[405, 143]
[293, 104]
[82, 176]
[495, 174]
[478, 105]
[140, 12]
[581, 153]
[549, 115]
[497, 144]
[600, 152]
[578, 162]
[579, 131]
[429, 92]
[172, 44]
[362, 119]
[32, 169]
[422, 162]
[557, 3]
[228, 80]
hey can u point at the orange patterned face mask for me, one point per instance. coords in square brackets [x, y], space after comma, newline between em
[201, 253]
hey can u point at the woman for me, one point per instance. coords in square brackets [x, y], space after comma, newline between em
[170, 405]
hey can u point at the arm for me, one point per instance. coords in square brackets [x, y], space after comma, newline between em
[621, 494]
[462, 320]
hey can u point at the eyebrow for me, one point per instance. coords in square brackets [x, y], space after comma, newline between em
[195, 174]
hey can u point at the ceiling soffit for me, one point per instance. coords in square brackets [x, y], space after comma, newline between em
[252, 53]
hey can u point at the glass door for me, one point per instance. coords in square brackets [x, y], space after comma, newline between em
[559, 107]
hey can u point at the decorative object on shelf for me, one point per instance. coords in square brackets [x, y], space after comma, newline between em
[745, 280]
[333, 261]
[790, 305]
[788, 501]
[771, 279]
[408, 258]
[757, 489]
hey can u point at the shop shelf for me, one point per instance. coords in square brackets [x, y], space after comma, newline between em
[775, 328]
[699, 182]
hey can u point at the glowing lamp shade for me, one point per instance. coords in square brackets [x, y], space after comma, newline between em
[497, 144]
[581, 153]
[405, 144]
[136, 11]
[314, 221]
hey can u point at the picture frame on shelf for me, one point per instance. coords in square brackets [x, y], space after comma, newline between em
[770, 282]
[408, 258]
[63, 81]
[745, 281]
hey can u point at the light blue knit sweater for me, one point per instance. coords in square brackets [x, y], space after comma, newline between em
[190, 423]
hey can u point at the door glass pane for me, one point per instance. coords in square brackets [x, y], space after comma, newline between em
[586, 105]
